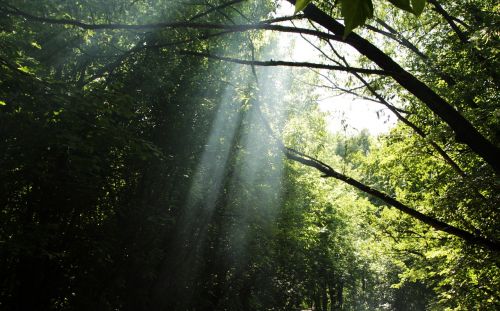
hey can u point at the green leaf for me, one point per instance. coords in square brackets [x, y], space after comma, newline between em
[24, 69]
[36, 45]
[418, 6]
[301, 5]
[402, 4]
[2, 103]
[355, 13]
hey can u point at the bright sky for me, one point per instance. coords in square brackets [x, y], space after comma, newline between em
[343, 109]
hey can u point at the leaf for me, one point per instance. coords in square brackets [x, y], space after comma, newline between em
[402, 4]
[355, 13]
[36, 45]
[24, 69]
[418, 6]
[301, 5]
[2, 103]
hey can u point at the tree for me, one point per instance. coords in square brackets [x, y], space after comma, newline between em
[462, 128]
[138, 166]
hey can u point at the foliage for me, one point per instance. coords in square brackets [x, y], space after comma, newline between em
[137, 176]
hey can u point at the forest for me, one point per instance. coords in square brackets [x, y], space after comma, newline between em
[177, 155]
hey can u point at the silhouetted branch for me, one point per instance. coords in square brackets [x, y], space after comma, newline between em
[328, 171]
[286, 63]
[439, 9]
[264, 25]
[396, 36]
[463, 129]
[215, 8]
[405, 120]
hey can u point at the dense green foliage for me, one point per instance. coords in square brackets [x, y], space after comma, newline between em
[136, 175]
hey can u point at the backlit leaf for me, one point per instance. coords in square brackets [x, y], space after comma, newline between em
[36, 45]
[301, 5]
[24, 69]
[355, 13]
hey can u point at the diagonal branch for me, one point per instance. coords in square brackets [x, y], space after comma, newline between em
[328, 171]
[396, 36]
[403, 119]
[460, 34]
[463, 129]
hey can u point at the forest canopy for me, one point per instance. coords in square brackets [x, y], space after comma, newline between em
[174, 155]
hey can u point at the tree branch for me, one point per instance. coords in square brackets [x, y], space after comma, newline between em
[403, 119]
[264, 25]
[439, 9]
[215, 8]
[396, 36]
[463, 129]
[285, 63]
[328, 171]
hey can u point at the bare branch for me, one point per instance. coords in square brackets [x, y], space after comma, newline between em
[288, 64]
[393, 34]
[284, 19]
[264, 25]
[215, 8]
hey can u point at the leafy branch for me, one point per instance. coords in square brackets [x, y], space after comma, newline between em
[329, 172]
